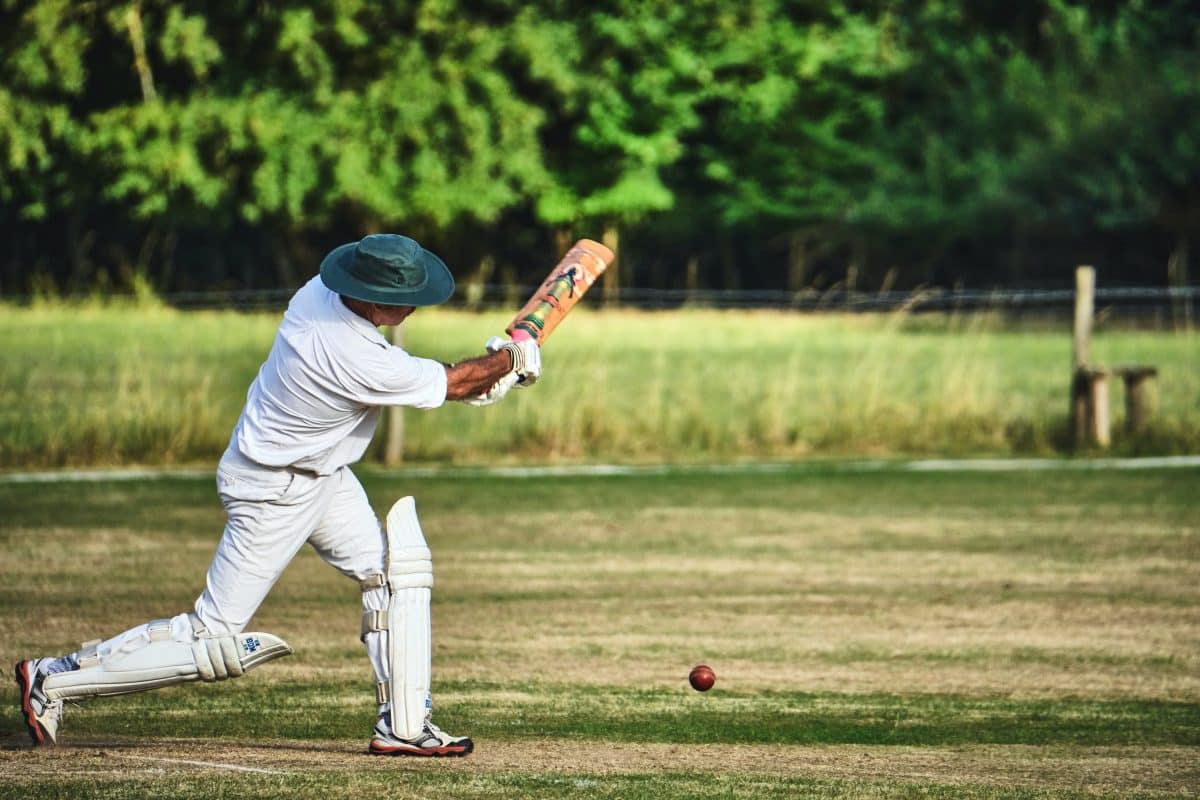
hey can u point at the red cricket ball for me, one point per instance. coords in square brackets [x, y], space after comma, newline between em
[702, 677]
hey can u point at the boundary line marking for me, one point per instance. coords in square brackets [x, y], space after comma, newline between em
[603, 470]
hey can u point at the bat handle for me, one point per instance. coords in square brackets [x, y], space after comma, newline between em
[520, 334]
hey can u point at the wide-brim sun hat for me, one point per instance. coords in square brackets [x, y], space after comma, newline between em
[388, 269]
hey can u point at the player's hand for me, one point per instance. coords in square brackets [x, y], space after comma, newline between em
[492, 395]
[526, 358]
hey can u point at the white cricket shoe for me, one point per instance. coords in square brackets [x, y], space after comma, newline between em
[432, 741]
[41, 713]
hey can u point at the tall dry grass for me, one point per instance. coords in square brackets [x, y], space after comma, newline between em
[109, 384]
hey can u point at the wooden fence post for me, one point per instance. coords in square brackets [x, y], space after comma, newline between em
[393, 450]
[1085, 292]
[1089, 385]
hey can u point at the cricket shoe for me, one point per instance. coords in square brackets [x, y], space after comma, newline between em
[431, 741]
[41, 713]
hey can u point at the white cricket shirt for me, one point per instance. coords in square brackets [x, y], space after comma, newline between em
[316, 401]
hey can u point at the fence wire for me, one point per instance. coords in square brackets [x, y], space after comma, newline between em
[1171, 303]
[1173, 306]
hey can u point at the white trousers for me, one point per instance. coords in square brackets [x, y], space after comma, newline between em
[271, 513]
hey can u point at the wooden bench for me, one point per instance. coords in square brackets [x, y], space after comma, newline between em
[1089, 384]
[1140, 397]
[1089, 401]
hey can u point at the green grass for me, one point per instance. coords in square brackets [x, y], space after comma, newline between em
[94, 384]
[315, 709]
[875, 634]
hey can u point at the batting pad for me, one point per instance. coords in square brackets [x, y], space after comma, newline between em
[162, 661]
[410, 579]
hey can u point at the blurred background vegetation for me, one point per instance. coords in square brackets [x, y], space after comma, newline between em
[109, 383]
[765, 144]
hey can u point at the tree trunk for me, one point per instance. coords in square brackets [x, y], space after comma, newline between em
[612, 276]
[478, 283]
[141, 62]
[563, 239]
[797, 266]
[78, 244]
[730, 279]
[284, 268]
[1177, 278]
[692, 279]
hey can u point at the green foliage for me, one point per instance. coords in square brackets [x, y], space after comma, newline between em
[793, 132]
[1048, 121]
[879, 133]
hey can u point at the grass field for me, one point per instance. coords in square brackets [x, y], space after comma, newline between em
[877, 634]
[99, 384]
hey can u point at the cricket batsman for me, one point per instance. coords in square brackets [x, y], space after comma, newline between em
[285, 479]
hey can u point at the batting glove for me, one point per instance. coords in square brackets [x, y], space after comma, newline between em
[526, 358]
[494, 394]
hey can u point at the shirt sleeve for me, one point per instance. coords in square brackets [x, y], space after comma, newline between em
[389, 376]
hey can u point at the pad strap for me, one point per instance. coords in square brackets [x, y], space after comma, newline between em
[373, 621]
[217, 658]
[89, 655]
[372, 582]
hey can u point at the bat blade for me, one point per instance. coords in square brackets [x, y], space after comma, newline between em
[560, 291]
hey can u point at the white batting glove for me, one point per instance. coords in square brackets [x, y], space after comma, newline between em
[492, 395]
[526, 358]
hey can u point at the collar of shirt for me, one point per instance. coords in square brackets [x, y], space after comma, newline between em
[358, 324]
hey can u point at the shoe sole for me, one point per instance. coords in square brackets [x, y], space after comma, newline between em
[25, 681]
[449, 751]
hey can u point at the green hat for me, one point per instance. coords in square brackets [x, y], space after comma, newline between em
[387, 269]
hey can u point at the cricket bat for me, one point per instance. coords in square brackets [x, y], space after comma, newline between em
[561, 290]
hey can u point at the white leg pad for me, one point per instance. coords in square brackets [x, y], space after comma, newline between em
[406, 621]
[156, 659]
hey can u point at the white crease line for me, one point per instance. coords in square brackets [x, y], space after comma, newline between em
[602, 470]
[191, 763]
[85, 476]
[1039, 464]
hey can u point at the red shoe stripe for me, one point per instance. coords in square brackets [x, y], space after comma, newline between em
[25, 681]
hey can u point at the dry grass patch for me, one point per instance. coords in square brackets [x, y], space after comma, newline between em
[1160, 771]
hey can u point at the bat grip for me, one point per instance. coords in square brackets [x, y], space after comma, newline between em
[520, 335]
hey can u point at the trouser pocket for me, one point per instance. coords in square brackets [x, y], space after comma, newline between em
[240, 479]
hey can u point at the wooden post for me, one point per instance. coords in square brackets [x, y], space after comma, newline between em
[1086, 388]
[1177, 278]
[1085, 292]
[393, 450]
[1140, 397]
[1080, 398]
[1090, 419]
[1098, 400]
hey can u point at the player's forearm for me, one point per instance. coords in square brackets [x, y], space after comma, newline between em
[475, 376]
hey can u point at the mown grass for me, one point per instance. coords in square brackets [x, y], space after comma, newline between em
[320, 710]
[96, 384]
[875, 634]
[375, 782]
